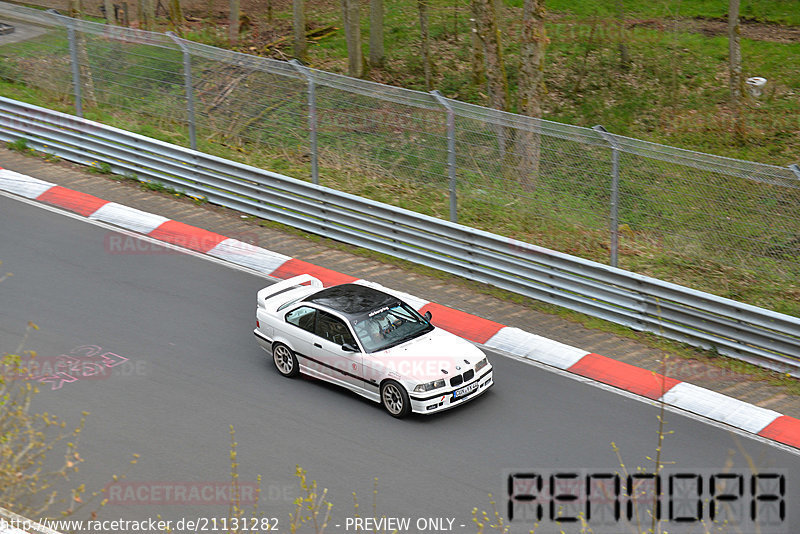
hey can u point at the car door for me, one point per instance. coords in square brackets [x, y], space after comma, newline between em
[299, 333]
[332, 334]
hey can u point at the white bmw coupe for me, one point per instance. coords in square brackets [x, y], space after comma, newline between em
[369, 341]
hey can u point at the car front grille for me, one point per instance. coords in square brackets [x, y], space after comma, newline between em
[460, 379]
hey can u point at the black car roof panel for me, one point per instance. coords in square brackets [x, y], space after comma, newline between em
[352, 299]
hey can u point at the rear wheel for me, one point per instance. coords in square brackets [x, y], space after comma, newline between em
[395, 399]
[285, 360]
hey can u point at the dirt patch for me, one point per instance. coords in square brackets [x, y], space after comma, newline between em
[750, 29]
[757, 31]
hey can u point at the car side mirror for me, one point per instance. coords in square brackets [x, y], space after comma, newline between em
[348, 347]
[428, 316]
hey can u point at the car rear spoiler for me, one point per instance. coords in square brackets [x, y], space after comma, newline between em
[287, 285]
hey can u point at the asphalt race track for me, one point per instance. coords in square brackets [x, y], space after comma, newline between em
[176, 330]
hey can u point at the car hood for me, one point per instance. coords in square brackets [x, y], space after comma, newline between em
[437, 354]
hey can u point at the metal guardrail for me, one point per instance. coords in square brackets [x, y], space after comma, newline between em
[734, 329]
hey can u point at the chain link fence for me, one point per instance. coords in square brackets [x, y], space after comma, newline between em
[715, 224]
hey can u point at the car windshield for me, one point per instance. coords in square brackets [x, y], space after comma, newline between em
[390, 326]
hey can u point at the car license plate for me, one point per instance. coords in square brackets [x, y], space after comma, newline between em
[466, 390]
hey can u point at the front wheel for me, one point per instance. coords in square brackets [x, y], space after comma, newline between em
[395, 399]
[285, 360]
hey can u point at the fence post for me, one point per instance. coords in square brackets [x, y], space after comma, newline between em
[188, 87]
[76, 69]
[451, 152]
[614, 193]
[73, 57]
[312, 117]
[795, 168]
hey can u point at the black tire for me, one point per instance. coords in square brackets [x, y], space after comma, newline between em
[285, 361]
[395, 399]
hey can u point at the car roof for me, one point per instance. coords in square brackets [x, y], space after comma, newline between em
[352, 299]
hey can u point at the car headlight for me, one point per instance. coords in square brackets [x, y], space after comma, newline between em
[481, 364]
[436, 384]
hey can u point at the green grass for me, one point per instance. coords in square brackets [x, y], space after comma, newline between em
[19, 145]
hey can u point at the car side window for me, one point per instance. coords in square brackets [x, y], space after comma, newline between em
[304, 317]
[333, 329]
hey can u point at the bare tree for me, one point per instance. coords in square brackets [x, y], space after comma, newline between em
[531, 86]
[455, 21]
[478, 65]
[377, 56]
[233, 22]
[736, 82]
[299, 24]
[735, 51]
[175, 16]
[532, 48]
[86, 78]
[108, 8]
[488, 33]
[352, 31]
[422, 5]
[147, 15]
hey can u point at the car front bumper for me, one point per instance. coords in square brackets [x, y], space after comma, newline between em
[427, 403]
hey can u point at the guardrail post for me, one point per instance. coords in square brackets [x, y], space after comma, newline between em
[187, 81]
[795, 168]
[312, 117]
[614, 193]
[451, 153]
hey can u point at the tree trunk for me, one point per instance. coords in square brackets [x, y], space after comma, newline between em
[532, 49]
[108, 7]
[176, 16]
[736, 82]
[233, 22]
[624, 55]
[485, 13]
[531, 87]
[455, 21]
[352, 30]
[489, 35]
[299, 25]
[478, 64]
[147, 15]
[735, 51]
[124, 17]
[377, 56]
[422, 5]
